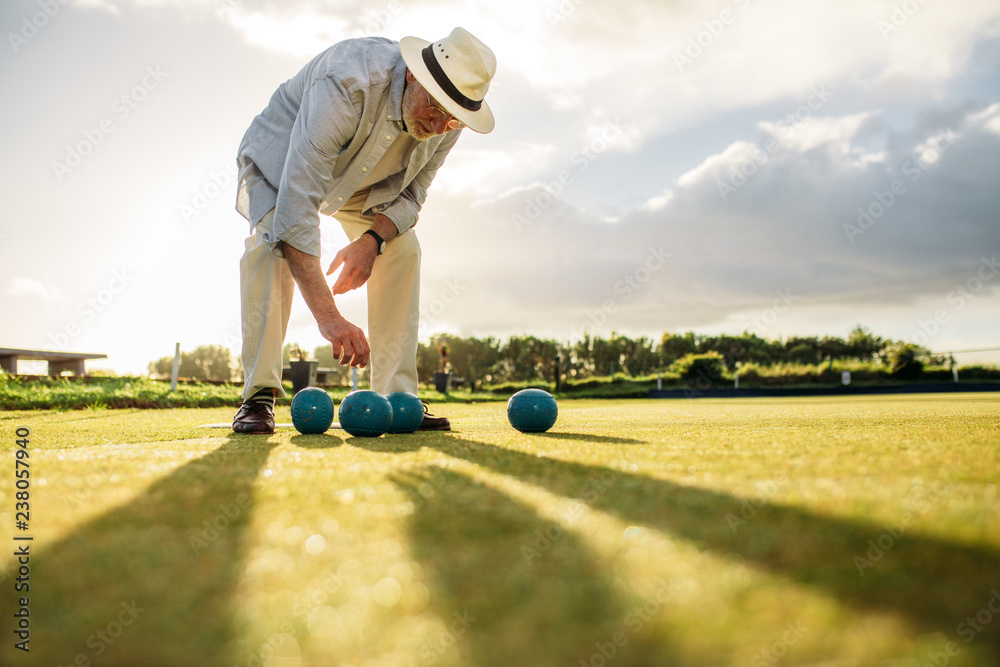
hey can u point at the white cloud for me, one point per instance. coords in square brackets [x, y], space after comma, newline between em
[103, 5]
[782, 229]
[988, 118]
[811, 132]
[734, 154]
[31, 288]
[658, 203]
[485, 171]
[302, 34]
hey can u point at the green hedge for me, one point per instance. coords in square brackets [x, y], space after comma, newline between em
[18, 393]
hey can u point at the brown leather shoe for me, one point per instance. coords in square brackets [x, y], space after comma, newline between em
[432, 423]
[254, 417]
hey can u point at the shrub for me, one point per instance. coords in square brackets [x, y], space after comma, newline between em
[905, 364]
[513, 387]
[966, 373]
[701, 369]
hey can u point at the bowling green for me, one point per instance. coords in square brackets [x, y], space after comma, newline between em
[800, 531]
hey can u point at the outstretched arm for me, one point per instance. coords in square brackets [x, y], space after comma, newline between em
[348, 341]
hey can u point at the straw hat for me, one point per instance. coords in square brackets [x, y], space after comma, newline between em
[456, 71]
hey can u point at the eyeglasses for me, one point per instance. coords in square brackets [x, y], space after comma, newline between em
[435, 113]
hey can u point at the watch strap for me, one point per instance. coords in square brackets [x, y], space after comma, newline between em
[378, 239]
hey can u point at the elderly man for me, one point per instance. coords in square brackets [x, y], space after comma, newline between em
[358, 134]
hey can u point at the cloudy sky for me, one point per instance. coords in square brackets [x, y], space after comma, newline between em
[782, 167]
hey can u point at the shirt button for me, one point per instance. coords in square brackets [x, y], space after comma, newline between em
[365, 169]
[388, 137]
[340, 199]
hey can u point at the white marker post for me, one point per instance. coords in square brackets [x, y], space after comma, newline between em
[177, 367]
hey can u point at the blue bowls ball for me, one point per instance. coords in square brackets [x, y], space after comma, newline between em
[407, 412]
[312, 411]
[532, 411]
[365, 413]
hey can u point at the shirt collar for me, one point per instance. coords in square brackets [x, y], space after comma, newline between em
[396, 89]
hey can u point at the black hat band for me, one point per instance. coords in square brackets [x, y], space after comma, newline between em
[446, 85]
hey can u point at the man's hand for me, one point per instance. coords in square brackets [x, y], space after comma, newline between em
[348, 341]
[358, 258]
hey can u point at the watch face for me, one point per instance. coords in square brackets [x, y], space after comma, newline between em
[381, 248]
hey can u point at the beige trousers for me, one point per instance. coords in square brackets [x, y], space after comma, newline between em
[267, 286]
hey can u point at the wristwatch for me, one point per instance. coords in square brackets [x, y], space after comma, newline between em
[378, 239]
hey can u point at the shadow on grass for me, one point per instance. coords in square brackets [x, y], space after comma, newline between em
[316, 441]
[932, 583]
[588, 437]
[150, 582]
[511, 587]
[395, 443]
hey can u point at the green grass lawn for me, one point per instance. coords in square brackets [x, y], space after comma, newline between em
[806, 531]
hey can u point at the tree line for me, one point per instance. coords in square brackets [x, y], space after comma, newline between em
[527, 358]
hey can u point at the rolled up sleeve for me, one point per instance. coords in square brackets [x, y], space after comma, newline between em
[405, 209]
[327, 120]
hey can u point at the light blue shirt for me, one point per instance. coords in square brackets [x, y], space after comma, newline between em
[321, 134]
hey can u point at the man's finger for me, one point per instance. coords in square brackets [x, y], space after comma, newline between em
[350, 353]
[337, 261]
[361, 350]
[344, 282]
